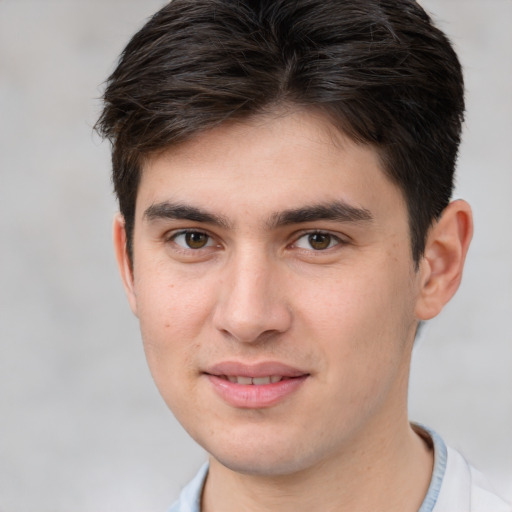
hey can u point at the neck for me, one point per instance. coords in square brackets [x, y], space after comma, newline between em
[391, 473]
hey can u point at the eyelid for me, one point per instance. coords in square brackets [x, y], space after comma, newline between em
[339, 239]
[172, 235]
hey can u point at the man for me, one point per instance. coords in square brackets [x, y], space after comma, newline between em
[284, 172]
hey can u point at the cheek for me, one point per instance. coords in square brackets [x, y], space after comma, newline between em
[363, 336]
[362, 322]
[172, 312]
[168, 327]
[168, 300]
[364, 303]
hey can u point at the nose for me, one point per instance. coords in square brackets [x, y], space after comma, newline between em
[251, 303]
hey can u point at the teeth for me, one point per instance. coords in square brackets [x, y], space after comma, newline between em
[257, 381]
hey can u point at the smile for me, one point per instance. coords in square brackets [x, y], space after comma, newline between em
[255, 381]
[255, 386]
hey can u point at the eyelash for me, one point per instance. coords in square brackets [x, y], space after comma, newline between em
[185, 232]
[333, 240]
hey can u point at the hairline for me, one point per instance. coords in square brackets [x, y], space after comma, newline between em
[273, 110]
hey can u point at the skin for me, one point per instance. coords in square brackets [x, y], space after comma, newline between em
[256, 287]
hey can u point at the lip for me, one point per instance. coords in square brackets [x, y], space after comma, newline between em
[250, 396]
[261, 369]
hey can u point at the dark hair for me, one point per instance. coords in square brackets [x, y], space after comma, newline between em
[379, 69]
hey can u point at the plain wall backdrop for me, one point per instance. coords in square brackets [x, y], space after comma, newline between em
[82, 427]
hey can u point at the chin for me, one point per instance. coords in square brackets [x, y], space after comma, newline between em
[260, 457]
[263, 465]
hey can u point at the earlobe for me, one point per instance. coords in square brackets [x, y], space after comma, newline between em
[123, 260]
[443, 261]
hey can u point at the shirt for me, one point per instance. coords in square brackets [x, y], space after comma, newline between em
[455, 485]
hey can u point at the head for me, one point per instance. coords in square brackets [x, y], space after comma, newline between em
[379, 70]
[284, 170]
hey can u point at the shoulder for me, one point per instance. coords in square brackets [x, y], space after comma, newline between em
[190, 497]
[483, 497]
[465, 489]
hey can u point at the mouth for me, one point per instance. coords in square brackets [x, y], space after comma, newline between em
[253, 381]
[255, 386]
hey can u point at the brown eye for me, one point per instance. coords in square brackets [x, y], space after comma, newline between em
[192, 240]
[319, 241]
[196, 240]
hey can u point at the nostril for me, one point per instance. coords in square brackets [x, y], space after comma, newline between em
[249, 309]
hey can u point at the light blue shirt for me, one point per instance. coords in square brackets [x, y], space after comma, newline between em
[455, 486]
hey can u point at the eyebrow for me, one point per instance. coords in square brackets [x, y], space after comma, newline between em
[336, 211]
[180, 211]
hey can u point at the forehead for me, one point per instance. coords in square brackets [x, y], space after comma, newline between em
[268, 163]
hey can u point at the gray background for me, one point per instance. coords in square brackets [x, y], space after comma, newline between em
[82, 427]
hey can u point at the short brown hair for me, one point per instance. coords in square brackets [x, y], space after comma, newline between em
[379, 69]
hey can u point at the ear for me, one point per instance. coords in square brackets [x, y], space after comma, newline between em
[123, 260]
[443, 261]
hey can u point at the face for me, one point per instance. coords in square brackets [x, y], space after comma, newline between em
[273, 281]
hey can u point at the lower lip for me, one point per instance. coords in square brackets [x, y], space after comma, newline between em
[253, 396]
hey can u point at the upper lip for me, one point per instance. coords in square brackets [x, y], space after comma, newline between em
[261, 369]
